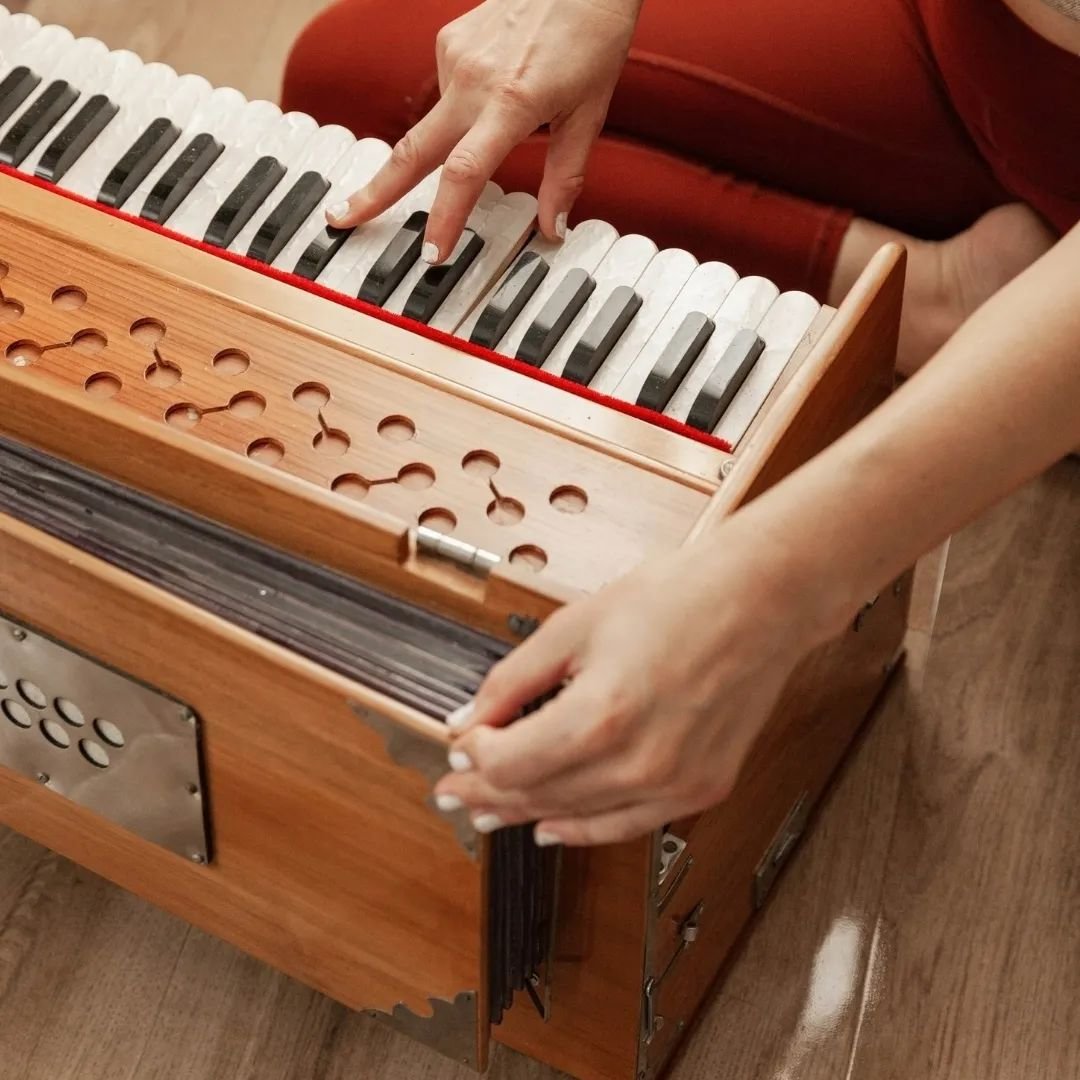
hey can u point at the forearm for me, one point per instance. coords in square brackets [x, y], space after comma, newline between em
[997, 405]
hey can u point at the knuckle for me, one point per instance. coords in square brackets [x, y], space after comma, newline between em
[463, 166]
[471, 72]
[406, 152]
[513, 95]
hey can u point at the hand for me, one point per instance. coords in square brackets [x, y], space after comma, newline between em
[507, 68]
[672, 674]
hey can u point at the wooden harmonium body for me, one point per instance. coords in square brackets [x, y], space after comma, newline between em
[257, 544]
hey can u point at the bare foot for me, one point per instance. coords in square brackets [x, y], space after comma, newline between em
[948, 280]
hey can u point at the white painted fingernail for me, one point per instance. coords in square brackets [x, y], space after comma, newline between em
[460, 761]
[486, 823]
[460, 717]
[546, 839]
[337, 211]
[560, 225]
[448, 803]
[430, 253]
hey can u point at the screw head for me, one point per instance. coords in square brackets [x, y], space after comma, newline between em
[192, 789]
[18, 635]
[198, 857]
[43, 778]
[187, 716]
[726, 469]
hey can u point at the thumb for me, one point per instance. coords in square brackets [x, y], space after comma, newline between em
[572, 140]
[535, 668]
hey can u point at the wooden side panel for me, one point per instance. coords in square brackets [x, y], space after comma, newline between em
[328, 864]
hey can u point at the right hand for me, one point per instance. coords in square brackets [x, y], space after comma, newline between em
[507, 68]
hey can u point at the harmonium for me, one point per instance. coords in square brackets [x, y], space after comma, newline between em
[275, 497]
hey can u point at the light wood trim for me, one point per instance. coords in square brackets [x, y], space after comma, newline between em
[511, 393]
[849, 372]
[328, 863]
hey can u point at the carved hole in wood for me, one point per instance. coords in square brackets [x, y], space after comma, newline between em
[351, 486]
[3, 270]
[416, 477]
[103, 384]
[332, 441]
[148, 332]
[183, 415]
[529, 556]
[231, 362]
[247, 405]
[10, 310]
[481, 464]
[569, 500]
[397, 428]
[163, 372]
[24, 353]
[89, 342]
[267, 451]
[311, 395]
[504, 511]
[69, 297]
[439, 519]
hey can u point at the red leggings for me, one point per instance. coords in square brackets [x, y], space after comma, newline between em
[744, 130]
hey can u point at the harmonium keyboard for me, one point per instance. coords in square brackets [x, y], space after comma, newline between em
[276, 497]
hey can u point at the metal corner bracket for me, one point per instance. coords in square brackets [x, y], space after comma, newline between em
[450, 1029]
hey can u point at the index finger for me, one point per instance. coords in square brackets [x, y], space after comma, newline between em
[416, 155]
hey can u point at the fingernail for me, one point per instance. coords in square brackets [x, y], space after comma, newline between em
[460, 761]
[486, 823]
[337, 211]
[545, 839]
[448, 803]
[430, 253]
[560, 225]
[459, 718]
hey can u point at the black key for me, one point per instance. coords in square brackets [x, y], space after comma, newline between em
[17, 86]
[280, 227]
[602, 335]
[555, 317]
[134, 167]
[518, 288]
[438, 282]
[34, 124]
[396, 261]
[236, 211]
[179, 179]
[676, 360]
[320, 251]
[726, 378]
[70, 145]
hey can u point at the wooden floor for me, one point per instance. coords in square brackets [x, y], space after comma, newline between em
[929, 930]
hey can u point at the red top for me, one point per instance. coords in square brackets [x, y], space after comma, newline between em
[1019, 97]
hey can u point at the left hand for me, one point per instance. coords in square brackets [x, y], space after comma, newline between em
[672, 673]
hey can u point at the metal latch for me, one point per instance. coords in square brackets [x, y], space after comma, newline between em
[688, 934]
[467, 556]
[780, 849]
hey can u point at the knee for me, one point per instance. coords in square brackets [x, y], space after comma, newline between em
[366, 64]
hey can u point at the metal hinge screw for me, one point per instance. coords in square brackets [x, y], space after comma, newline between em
[522, 625]
[18, 635]
[188, 716]
[199, 857]
[43, 777]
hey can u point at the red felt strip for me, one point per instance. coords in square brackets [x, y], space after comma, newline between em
[657, 419]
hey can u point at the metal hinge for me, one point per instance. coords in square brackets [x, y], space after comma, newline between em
[651, 1023]
[780, 849]
[467, 556]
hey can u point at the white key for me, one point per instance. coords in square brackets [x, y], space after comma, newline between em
[507, 228]
[88, 69]
[664, 278]
[145, 97]
[624, 264]
[704, 292]
[350, 173]
[584, 248]
[372, 238]
[198, 210]
[45, 53]
[782, 329]
[15, 32]
[304, 148]
[743, 309]
[218, 114]
[491, 195]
